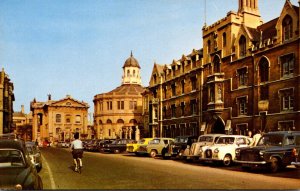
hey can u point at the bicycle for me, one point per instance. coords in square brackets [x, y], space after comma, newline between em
[78, 165]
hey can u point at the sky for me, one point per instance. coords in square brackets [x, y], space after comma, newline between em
[78, 47]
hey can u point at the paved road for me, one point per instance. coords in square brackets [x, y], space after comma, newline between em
[124, 171]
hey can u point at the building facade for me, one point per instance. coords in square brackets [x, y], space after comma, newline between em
[6, 103]
[247, 77]
[118, 113]
[251, 71]
[174, 99]
[58, 120]
[23, 124]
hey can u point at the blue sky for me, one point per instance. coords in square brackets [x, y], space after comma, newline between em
[78, 47]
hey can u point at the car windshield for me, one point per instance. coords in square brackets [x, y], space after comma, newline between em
[142, 141]
[271, 140]
[11, 158]
[206, 139]
[225, 140]
[181, 139]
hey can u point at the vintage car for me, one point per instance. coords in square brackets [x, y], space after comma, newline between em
[101, 144]
[16, 170]
[134, 147]
[192, 153]
[274, 150]
[177, 148]
[117, 146]
[224, 149]
[159, 147]
[92, 145]
[35, 155]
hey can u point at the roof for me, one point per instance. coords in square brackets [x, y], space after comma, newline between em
[11, 143]
[130, 89]
[131, 62]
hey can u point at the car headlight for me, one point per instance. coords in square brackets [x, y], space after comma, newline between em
[18, 187]
[216, 150]
[237, 151]
[261, 153]
[200, 150]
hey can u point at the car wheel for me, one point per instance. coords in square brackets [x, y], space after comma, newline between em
[227, 161]
[274, 165]
[153, 153]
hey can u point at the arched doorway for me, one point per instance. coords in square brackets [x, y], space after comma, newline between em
[219, 126]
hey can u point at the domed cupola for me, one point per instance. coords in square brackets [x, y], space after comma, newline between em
[131, 71]
[131, 62]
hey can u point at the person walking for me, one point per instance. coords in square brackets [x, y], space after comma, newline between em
[256, 138]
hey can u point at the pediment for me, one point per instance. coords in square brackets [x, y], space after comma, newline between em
[69, 102]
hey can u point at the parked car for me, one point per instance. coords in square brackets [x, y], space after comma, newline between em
[224, 149]
[134, 147]
[193, 152]
[16, 170]
[92, 145]
[158, 147]
[117, 146]
[177, 148]
[274, 150]
[35, 155]
[102, 143]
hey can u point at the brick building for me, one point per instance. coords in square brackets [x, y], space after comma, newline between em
[247, 76]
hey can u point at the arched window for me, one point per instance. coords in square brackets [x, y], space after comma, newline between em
[58, 118]
[264, 70]
[120, 121]
[287, 28]
[217, 65]
[108, 121]
[100, 122]
[133, 73]
[224, 39]
[242, 46]
[133, 121]
[128, 73]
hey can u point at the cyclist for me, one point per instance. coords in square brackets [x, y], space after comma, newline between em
[77, 150]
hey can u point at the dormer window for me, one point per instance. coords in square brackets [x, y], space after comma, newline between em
[287, 28]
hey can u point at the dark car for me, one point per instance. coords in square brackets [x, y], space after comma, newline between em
[92, 145]
[16, 169]
[35, 155]
[177, 148]
[117, 146]
[274, 150]
[103, 144]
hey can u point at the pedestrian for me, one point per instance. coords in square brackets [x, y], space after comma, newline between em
[256, 138]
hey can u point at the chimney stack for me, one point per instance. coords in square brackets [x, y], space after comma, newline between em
[49, 97]
[22, 109]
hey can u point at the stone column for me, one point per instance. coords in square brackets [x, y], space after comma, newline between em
[137, 133]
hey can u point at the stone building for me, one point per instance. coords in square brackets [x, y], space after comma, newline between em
[6, 103]
[247, 77]
[23, 124]
[59, 120]
[251, 71]
[118, 113]
[174, 102]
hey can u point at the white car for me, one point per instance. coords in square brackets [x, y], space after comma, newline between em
[193, 152]
[224, 149]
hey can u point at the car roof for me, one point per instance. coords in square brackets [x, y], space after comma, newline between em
[12, 143]
[285, 132]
